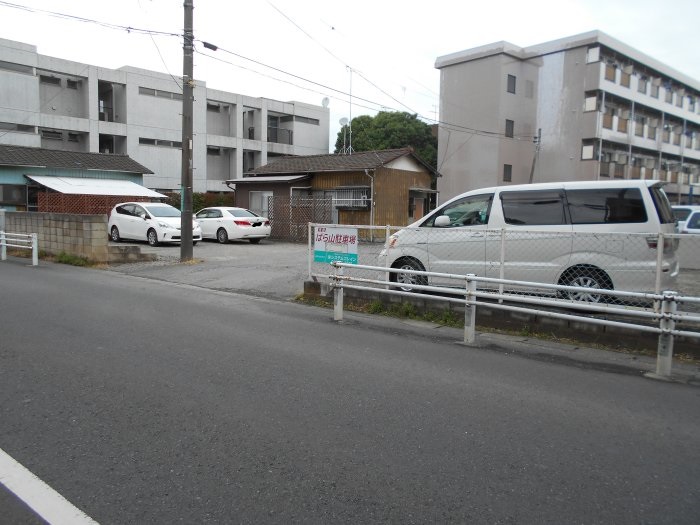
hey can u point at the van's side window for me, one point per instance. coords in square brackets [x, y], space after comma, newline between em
[606, 206]
[469, 211]
[533, 207]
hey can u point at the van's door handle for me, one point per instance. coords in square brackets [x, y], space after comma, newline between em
[477, 234]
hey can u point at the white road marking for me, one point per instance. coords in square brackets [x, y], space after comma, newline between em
[38, 496]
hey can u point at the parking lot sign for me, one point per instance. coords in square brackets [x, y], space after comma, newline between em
[335, 244]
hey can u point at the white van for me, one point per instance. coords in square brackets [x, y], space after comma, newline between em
[588, 234]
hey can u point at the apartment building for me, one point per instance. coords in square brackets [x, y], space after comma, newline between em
[585, 107]
[63, 105]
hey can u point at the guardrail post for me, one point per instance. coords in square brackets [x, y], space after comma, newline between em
[35, 249]
[3, 246]
[470, 311]
[338, 295]
[386, 251]
[664, 356]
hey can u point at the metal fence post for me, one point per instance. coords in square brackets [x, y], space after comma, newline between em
[338, 295]
[502, 273]
[386, 251]
[664, 355]
[35, 249]
[470, 311]
[309, 250]
[3, 246]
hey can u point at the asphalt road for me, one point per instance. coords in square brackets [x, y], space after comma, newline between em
[142, 401]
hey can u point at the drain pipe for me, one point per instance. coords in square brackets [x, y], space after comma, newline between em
[371, 204]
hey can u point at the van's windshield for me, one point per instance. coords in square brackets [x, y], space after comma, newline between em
[663, 207]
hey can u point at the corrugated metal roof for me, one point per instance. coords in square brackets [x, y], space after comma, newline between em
[49, 158]
[80, 186]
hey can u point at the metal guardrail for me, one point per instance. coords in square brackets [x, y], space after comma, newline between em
[661, 308]
[19, 240]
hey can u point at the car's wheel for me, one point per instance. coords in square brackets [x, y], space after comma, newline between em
[222, 236]
[406, 278]
[586, 276]
[194, 243]
[114, 234]
[254, 241]
[152, 237]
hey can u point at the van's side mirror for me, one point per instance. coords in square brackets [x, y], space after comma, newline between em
[441, 221]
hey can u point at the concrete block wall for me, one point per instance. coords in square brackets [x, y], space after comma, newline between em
[79, 235]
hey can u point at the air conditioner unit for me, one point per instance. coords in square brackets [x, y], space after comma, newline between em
[650, 163]
[625, 114]
[606, 157]
[654, 122]
[628, 69]
[677, 129]
[656, 81]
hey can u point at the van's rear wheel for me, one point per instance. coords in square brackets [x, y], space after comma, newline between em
[586, 276]
[408, 278]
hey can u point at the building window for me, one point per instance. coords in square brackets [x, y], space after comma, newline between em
[19, 128]
[654, 90]
[159, 93]
[213, 151]
[307, 120]
[73, 137]
[510, 125]
[507, 172]
[639, 125]
[51, 134]
[72, 84]
[215, 108]
[679, 100]
[625, 79]
[610, 72]
[669, 94]
[642, 84]
[147, 142]
[691, 104]
[16, 68]
[511, 84]
[46, 79]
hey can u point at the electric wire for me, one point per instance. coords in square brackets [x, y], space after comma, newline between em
[130, 29]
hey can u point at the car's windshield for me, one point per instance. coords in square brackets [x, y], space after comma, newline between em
[242, 213]
[163, 211]
[681, 214]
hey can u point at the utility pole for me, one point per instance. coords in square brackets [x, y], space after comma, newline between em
[187, 132]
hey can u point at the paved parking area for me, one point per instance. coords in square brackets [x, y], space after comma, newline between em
[268, 269]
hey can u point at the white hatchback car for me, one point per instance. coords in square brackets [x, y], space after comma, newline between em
[154, 222]
[225, 223]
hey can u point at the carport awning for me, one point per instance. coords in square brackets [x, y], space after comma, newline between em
[81, 186]
[271, 178]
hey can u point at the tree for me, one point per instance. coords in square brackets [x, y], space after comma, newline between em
[390, 130]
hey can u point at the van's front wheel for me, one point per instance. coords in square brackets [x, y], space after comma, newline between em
[586, 276]
[408, 278]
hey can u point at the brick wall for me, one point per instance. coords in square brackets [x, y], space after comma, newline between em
[82, 204]
[75, 234]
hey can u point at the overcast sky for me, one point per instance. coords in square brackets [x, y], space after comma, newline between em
[381, 51]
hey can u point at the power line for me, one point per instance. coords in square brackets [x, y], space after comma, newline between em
[130, 29]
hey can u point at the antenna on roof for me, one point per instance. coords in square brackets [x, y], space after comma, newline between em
[343, 123]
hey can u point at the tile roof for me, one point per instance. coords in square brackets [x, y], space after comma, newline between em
[49, 158]
[326, 163]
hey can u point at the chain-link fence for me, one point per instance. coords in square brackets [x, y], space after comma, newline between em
[290, 217]
[633, 262]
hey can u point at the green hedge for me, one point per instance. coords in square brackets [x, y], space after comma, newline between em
[203, 200]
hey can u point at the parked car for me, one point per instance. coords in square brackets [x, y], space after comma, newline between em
[681, 212]
[552, 233]
[692, 223]
[154, 222]
[225, 223]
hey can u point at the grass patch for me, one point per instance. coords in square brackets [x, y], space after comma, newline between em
[73, 260]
